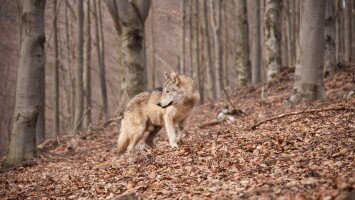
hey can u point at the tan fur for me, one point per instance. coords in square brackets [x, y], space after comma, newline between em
[143, 113]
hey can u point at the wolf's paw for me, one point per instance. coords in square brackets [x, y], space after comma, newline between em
[174, 145]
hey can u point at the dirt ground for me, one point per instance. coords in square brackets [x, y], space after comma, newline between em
[309, 154]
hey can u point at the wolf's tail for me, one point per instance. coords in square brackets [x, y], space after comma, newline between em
[123, 139]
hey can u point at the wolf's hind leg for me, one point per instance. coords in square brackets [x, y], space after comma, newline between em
[138, 133]
[151, 136]
[180, 135]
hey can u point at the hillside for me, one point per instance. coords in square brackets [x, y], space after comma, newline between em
[309, 154]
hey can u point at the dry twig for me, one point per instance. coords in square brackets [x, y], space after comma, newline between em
[299, 112]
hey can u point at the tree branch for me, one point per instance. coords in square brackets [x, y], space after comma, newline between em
[300, 112]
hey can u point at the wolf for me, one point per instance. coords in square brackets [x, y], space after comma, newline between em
[166, 106]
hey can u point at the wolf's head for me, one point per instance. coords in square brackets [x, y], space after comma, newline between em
[173, 91]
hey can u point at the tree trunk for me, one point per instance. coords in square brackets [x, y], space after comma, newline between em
[129, 18]
[256, 44]
[329, 53]
[242, 44]
[56, 75]
[215, 6]
[79, 97]
[153, 47]
[309, 84]
[225, 44]
[30, 70]
[347, 31]
[209, 71]
[70, 85]
[87, 67]
[183, 53]
[101, 58]
[103, 67]
[272, 38]
[196, 46]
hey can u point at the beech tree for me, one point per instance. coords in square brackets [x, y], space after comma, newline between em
[87, 66]
[31, 66]
[242, 44]
[329, 54]
[272, 38]
[79, 87]
[256, 44]
[56, 74]
[211, 92]
[309, 84]
[129, 18]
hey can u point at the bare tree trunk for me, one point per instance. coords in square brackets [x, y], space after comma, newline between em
[272, 37]
[256, 47]
[87, 67]
[329, 53]
[353, 32]
[225, 43]
[79, 97]
[129, 18]
[56, 75]
[347, 30]
[242, 44]
[153, 46]
[309, 84]
[296, 29]
[182, 56]
[191, 72]
[30, 70]
[70, 85]
[103, 67]
[196, 46]
[215, 6]
[209, 71]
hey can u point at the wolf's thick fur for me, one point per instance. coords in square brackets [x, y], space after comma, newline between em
[150, 111]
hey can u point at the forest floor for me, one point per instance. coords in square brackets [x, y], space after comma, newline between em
[309, 154]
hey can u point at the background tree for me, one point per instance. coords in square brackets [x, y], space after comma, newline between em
[56, 73]
[87, 67]
[102, 66]
[309, 84]
[215, 7]
[23, 136]
[272, 38]
[242, 44]
[129, 18]
[256, 43]
[329, 53]
[210, 86]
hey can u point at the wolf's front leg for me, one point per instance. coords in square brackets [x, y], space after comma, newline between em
[169, 127]
[180, 135]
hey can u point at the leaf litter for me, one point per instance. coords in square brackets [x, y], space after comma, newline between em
[301, 156]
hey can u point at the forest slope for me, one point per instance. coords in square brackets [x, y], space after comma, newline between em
[306, 155]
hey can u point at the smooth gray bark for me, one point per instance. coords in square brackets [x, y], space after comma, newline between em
[256, 44]
[129, 18]
[30, 70]
[309, 84]
[56, 74]
[79, 88]
[87, 67]
[242, 44]
[210, 87]
[272, 38]
[329, 53]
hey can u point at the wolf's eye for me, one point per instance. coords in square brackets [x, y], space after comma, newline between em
[167, 91]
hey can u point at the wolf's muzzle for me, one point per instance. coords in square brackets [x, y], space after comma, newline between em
[164, 106]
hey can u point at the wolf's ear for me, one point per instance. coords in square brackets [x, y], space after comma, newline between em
[175, 78]
[167, 76]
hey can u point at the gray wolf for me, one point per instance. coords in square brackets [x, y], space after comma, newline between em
[167, 106]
